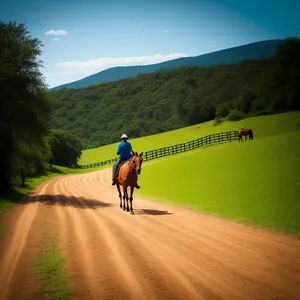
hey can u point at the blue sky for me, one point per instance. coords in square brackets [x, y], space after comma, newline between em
[85, 37]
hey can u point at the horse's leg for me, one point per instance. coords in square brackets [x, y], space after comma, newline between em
[120, 195]
[124, 196]
[127, 205]
[131, 199]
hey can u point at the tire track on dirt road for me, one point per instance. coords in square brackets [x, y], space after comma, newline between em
[20, 247]
[105, 237]
[185, 289]
[88, 252]
[217, 255]
[182, 270]
[164, 251]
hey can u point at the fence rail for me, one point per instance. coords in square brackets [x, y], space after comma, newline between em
[216, 138]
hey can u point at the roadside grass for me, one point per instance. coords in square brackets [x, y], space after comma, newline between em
[49, 269]
[6, 204]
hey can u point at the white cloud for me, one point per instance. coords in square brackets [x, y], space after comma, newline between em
[89, 67]
[70, 71]
[166, 31]
[56, 39]
[56, 32]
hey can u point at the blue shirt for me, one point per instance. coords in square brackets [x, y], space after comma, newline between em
[124, 150]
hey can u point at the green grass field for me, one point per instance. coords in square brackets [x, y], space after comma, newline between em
[257, 182]
[262, 126]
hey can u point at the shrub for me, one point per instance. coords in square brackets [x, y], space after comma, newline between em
[217, 121]
[235, 115]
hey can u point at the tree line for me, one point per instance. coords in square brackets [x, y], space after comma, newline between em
[27, 144]
[170, 99]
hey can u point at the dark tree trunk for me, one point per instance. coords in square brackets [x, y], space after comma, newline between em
[22, 175]
[5, 160]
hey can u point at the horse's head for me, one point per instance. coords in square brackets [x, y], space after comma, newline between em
[137, 162]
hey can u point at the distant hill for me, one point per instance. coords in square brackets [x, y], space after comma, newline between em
[227, 56]
[169, 99]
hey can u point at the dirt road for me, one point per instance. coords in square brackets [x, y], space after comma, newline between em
[162, 252]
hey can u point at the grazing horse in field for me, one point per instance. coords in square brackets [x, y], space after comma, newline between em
[245, 132]
[127, 177]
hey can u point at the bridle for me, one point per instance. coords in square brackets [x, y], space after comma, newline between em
[132, 165]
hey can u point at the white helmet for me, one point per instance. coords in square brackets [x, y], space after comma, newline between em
[124, 136]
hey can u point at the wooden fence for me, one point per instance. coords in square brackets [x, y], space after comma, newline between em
[216, 138]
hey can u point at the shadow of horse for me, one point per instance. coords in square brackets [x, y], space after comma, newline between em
[63, 200]
[152, 212]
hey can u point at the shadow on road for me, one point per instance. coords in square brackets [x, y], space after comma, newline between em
[63, 200]
[153, 212]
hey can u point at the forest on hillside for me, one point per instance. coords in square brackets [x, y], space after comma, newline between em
[170, 99]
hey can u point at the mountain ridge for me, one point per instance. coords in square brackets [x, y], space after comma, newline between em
[256, 50]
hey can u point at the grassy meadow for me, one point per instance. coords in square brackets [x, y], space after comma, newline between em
[257, 182]
[262, 126]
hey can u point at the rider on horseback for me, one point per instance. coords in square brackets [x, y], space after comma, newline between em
[124, 150]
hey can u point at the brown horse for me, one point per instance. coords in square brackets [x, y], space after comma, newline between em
[245, 132]
[127, 177]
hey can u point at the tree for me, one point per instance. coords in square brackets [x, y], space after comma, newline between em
[235, 115]
[24, 106]
[222, 110]
[245, 99]
[65, 147]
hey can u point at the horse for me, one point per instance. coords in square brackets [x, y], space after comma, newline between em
[127, 177]
[245, 132]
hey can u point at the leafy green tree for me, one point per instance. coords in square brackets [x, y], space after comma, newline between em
[217, 121]
[24, 106]
[245, 99]
[222, 110]
[235, 115]
[65, 148]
